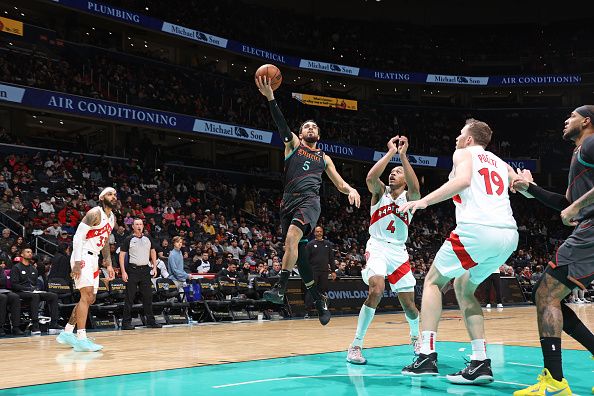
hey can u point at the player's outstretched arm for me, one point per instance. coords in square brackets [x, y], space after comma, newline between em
[375, 186]
[412, 182]
[524, 184]
[341, 185]
[289, 138]
[463, 167]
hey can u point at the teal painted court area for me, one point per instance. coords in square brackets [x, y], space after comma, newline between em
[328, 374]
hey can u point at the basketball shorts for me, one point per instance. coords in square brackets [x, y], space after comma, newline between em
[476, 248]
[302, 211]
[574, 261]
[89, 271]
[390, 261]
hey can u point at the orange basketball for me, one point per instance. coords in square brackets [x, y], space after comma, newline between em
[272, 72]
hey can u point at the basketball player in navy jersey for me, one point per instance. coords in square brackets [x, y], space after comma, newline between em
[300, 207]
[574, 260]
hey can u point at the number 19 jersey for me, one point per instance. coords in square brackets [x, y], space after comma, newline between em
[387, 223]
[486, 200]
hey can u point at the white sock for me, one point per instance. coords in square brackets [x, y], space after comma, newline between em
[365, 317]
[69, 328]
[414, 325]
[81, 334]
[479, 349]
[428, 339]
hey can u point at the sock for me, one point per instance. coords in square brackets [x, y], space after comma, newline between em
[428, 339]
[551, 352]
[365, 317]
[479, 349]
[81, 334]
[414, 325]
[284, 279]
[575, 328]
[69, 328]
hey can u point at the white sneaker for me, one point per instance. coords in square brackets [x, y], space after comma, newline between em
[355, 355]
[488, 306]
[499, 305]
[578, 301]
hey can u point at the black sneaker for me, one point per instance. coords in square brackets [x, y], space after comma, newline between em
[128, 326]
[423, 365]
[476, 372]
[275, 295]
[323, 312]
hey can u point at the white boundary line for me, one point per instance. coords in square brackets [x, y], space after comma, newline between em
[337, 375]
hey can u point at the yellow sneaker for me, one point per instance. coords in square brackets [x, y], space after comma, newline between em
[546, 386]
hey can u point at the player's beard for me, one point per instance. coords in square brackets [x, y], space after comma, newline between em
[108, 204]
[311, 139]
[572, 134]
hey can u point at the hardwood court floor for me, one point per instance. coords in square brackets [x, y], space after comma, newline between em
[40, 360]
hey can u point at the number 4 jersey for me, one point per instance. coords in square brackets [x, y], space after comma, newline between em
[387, 223]
[486, 200]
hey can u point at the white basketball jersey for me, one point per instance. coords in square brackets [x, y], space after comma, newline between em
[98, 236]
[386, 223]
[486, 200]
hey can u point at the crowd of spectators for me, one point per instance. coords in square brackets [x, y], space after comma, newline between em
[395, 45]
[218, 220]
[206, 94]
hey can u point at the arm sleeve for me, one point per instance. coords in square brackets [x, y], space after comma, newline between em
[279, 120]
[550, 199]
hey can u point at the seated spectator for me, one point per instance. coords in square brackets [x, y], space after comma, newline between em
[60, 263]
[6, 241]
[203, 265]
[47, 206]
[341, 270]
[230, 271]
[24, 280]
[276, 267]
[53, 230]
[7, 297]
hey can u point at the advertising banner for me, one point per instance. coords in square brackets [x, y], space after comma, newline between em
[11, 26]
[325, 101]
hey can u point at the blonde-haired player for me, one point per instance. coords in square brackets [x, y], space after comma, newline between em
[386, 252]
[485, 236]
[90, 239]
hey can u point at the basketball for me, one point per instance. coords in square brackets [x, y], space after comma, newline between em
[272, 72]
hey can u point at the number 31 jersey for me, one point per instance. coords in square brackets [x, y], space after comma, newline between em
[486, 200]
[387, 223]
[98, 236]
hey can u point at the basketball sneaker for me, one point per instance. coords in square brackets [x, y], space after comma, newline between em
[488, 306]
[546, 386]
[499, 305]
[275, 295]
[476, 372]
[355, 355]
[86, 345]
[67, 338]
[416, 344]
[323, 312]
[423, 365]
